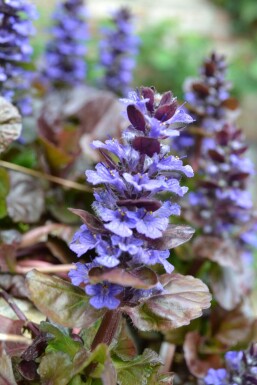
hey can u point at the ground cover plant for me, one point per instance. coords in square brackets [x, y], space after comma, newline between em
[127, 229]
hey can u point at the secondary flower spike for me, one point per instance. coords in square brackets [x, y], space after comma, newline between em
[15, 50]
[65, 54]
[209, 103]
[131, 219]
[118, 51]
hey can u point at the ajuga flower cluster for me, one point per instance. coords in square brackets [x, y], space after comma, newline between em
[130, 214]
[118, 49]
[64, 63]
[15, 51]
[210, 105]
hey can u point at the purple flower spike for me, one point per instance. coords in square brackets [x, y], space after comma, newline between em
[210, 103]
[117, 53]
[65, 54]
[15, 51]
[130, 217]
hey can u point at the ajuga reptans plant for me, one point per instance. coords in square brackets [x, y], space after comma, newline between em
[15, 51]
[64, 62]
[221, 204]
[131, 233]
[118, 50]
[209, 103]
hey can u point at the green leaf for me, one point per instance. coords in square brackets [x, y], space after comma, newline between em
[61, 340]
[4, 190]
[88, 334]
[10, 124]
[59, 300]
[77, 381]
[140, 370]
[124, 347]
[182, 300]
[56, 369]
[109, 375]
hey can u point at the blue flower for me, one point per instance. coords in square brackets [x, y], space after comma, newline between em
[108, 255]
[234, 359]
[83, 240]
[121, 221]
[153, 224]
[104, 295]
[80, 274]
[216, 377]
[104, 174]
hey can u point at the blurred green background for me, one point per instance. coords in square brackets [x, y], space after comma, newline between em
[176, 35]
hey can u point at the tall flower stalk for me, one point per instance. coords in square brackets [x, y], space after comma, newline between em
[221, 204]
[220, 208]
[64, 64]
[118, 50]
[15, 52]
[129, 213]
[210, 104]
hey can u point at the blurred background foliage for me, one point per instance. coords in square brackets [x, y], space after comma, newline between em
[243, 15]
[169, 54]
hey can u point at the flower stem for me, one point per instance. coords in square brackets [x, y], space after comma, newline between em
[107, 329]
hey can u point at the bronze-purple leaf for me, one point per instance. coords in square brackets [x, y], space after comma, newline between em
[90, 220]
[174, 236]
[28, 369]
[148, 93]
[136, 118]
[147, 146]
[148, 204]
[166, 111]
[209, 68]
[216, 155]
[208, 184]
[199, 366]
[60, 301]
[221, 251]
[231, 104]
[139, 278]
[201, 89]
[238, 176]
[226, 286]
[183, 300]
[166, 98]
[36, 349]
[236, 327]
